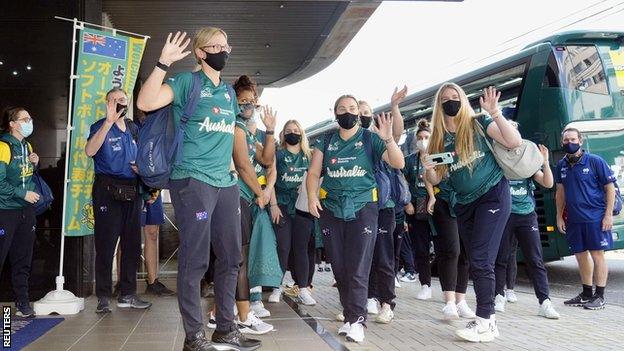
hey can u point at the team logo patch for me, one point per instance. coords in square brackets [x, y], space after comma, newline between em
[326, 231]
[216, 110]
[359, 144]
[206, 93]
[2, 232]
[291, 169]
[103, 209]
[201, 216]
[333, 161]
[227, 97]
[585, 170]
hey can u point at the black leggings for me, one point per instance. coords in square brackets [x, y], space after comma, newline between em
[303, 245]
[242, 286]
[450, 253]
[420, 239]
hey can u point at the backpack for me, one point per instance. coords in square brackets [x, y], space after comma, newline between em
[518, 163]
[160, 145]
[41, 187]
[384, 186]
[400, 188]
[45, 194]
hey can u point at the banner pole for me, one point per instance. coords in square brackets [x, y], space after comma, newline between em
[66, 181]
[114, 30]
[61, 301]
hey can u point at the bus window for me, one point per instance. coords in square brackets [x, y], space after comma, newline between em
[551, 78]
[581, 69]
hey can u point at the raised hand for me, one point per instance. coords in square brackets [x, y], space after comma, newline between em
[174, 48]
[544, 151]
[398, 96]
[111, 111]
[385, 125]
[489, 100]
[269, 118]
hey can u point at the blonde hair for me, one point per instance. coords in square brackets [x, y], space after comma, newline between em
[362, 102]
[464, 136]
[202, 37]
[305, 145]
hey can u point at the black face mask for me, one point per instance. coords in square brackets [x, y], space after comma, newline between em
[217, 61]
[292, 138]
[123, 108]
[451, 107]
[366, 121]
[347, 120]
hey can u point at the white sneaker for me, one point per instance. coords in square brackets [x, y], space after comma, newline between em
[408, 278]
[212, 321]
[548, 310]
[479, 330]
[342, 331]
[424, 293]
[371, 306]
[340, 317]
[397, 284]
[275, 295]
[306, 298]
[499, 303]
[511, 296]
[464, 310]
[386, 314]
[253, 325]
[450, 311]
[356, 332]
[258, 308]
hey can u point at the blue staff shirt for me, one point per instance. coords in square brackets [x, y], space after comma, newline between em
[584, 184]
[117, 152]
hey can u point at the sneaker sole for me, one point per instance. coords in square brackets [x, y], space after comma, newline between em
[594, 308]
[353, 340]
[103, 311]
[228, 347]
[475, 340]
[247, 330]
[342, 333]
[128, 305]
[575, 304]
[547, 317]
[380, 321]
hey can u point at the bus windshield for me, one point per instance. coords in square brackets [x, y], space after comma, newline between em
[593, 79]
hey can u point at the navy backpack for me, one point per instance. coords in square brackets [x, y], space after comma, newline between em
[45, 194]
[160, 144]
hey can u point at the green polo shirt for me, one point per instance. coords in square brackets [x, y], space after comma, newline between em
[209, 133]
[348, 181]
[486, 173]
[522, 201]
[251, 141]
[290, 170]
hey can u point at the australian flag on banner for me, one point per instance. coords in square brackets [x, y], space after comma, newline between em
[103, 45]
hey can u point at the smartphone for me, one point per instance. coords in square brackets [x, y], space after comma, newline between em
[442, 158]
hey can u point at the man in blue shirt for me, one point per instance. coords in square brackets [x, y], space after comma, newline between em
[586, 190]
[116, 203]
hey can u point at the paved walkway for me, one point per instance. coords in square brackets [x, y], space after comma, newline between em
[418, 326]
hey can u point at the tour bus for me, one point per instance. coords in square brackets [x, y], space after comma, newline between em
[572, 79]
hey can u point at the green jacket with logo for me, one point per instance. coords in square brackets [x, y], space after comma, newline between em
[15, 172]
